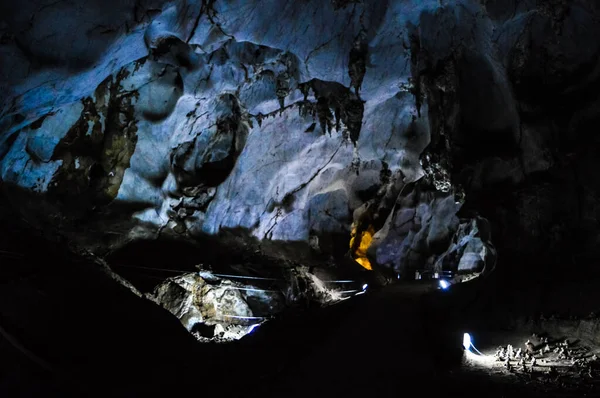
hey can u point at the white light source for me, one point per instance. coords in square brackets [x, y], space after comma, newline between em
[467, 343]
[365, 286]
[444, 284]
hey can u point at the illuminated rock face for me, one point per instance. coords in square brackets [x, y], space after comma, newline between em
[281, 119]
[216, 310]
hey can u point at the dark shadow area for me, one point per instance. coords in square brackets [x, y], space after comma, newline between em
[99, 339]
[148, 263]
[94, 26]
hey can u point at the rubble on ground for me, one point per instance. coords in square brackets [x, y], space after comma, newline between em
[565, 362]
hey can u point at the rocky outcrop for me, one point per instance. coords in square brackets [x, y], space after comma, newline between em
[209, 129]
[217, 308]
[382, 128]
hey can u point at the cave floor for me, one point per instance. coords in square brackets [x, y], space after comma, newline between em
[70, 330]
[397, 341]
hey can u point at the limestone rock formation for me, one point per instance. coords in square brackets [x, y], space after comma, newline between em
[216, 310]
[300, 122]
[219, 309]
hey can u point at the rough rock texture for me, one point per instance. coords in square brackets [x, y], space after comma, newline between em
[418, 230]
[471, 249]
[510, 125]
[290, 120]
[215, 308]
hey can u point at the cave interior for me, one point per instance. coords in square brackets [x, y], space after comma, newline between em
[288, 198]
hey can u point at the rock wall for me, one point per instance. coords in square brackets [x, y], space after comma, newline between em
[289, 120]
[218, 308]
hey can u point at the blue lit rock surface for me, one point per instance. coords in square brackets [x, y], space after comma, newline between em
[126, 120]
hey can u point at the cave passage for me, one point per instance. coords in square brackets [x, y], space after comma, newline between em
[276, 198]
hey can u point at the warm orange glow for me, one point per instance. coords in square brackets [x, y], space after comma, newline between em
[360, 252]
[364, 262]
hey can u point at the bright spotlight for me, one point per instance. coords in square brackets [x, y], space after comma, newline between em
[444, 284]
[467, 343]
[365, 286]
